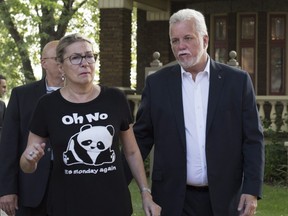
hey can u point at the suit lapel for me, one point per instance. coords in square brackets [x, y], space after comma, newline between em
[40, 88]
[216, 83]
[175, 93]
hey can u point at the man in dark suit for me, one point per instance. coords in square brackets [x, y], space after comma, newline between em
[202, 119]
[3, 89]
[20, 193]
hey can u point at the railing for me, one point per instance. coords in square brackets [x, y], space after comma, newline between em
[272, 110]
[135, 100]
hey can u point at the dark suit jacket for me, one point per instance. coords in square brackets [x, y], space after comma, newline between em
[234, 139]
[29, 187]
[2, 113]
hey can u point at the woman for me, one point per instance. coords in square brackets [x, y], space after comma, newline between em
[84, 122]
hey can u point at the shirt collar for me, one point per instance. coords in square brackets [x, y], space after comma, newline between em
[50, 89]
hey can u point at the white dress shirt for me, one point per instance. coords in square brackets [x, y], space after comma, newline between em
[195, 100]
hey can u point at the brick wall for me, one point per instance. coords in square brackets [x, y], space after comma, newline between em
[115, 47]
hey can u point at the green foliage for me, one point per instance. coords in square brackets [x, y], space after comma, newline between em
[147, 166]
[10, 62]
[275, 165]
[27, 25]
[266, 123]
[274, 202]
[136, 199]
[275, 158]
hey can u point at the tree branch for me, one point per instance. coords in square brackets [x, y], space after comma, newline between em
[23, 52]
[67, 13]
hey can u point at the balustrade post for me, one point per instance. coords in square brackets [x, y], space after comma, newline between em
[261, 112]
[135, 99]
[284, 117]
[273, 116]
[232, 61]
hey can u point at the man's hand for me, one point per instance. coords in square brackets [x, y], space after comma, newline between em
[9, 203]
[247, 205]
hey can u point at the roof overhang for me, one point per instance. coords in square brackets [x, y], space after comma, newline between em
[153, 5]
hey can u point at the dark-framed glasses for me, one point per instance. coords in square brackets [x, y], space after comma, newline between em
[76, 59]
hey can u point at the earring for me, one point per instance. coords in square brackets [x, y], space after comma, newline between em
[62, 77]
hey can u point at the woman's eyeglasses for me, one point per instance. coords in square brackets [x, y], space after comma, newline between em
[76, 59]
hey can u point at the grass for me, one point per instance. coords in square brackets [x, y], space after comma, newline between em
[136, 200]
[274, 202]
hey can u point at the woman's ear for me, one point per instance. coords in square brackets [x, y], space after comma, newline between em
[60, 68]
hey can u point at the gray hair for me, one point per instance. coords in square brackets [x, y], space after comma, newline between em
[66, 41]
[190, 14]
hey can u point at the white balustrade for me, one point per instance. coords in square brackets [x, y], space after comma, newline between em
[135, 99]
[284, 116]
[271, 115]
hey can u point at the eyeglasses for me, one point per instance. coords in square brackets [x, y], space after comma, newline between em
[55, 58]
[76, 59]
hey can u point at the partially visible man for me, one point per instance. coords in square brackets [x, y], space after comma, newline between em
[25, 194]
[3, 89]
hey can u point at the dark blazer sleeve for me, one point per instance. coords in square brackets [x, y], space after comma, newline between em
[30, 187]
[234, 140]
[253, 144]
[10, 153]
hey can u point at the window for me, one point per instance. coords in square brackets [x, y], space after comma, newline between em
[277, 54]
[247, 44]
[220, 39]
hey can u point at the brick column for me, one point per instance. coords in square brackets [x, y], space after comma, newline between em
[115, 45]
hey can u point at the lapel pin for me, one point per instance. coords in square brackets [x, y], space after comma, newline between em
[219, 77]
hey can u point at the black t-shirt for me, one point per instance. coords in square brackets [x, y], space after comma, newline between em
[87, 177]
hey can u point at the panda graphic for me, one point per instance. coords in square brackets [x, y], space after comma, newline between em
[90, 146]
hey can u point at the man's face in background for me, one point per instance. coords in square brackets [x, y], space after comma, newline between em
[3, 87]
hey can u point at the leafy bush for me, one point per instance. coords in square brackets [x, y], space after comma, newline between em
[275, 159]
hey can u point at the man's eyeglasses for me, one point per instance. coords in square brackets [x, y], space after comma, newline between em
[76, 59]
